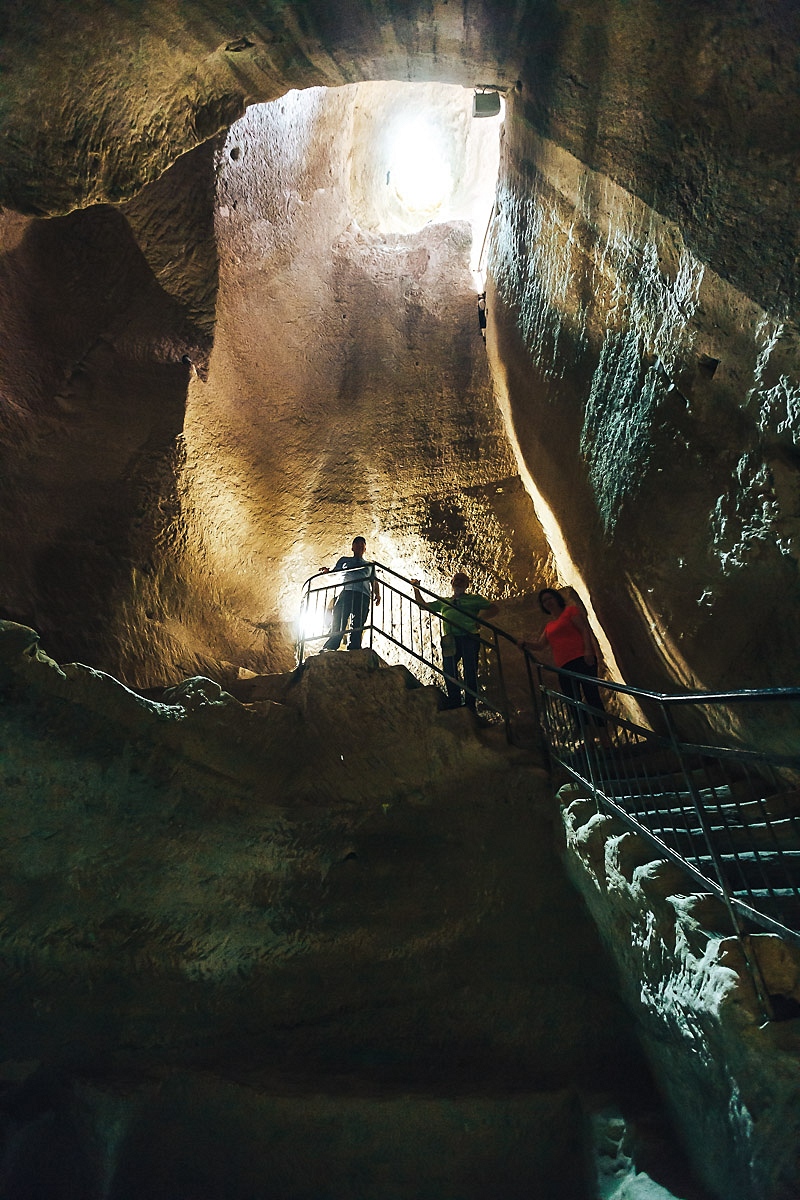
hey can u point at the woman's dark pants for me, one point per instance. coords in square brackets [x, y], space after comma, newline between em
[591, 692]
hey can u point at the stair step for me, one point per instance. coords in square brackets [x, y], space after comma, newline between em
[668, 770]
[755, 832]
[781, 806]
[777, 835]
[727, 778]
[752, 821]
[780, 895]
[768, 871]
[785, 805]
[717, 791]
[784, 908]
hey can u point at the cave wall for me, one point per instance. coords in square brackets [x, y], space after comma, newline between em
[655, 406]
[99, 101]
[347, 392]
[94, 387]
[646, 329]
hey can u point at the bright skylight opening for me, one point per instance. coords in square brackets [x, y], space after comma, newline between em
[419, 156]
[418, 167]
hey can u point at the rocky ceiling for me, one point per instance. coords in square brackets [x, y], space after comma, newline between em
[642, 341]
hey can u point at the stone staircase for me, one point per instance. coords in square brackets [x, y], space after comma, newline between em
[720, 817]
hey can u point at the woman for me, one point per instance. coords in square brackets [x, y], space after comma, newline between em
[572, 643]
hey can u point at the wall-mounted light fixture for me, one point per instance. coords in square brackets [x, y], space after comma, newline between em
[486, 102]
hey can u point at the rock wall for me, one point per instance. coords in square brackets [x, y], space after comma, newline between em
[358, 929]
[654, 406]
[185, 495]
[349, 391]
[122, 92]
[646, 344]
[100, 310]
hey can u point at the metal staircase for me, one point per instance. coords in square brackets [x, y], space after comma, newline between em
[729, 815]
[688, 772]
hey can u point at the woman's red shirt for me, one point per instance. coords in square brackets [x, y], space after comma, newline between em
[564, 637]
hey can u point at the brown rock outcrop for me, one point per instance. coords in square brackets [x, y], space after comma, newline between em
[346, 893]
[654, 407]
[348, 392]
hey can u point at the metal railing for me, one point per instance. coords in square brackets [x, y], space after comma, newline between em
[404, 633]
[728, 815]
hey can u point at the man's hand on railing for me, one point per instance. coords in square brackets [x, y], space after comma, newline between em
[415, 583]
[323, 570]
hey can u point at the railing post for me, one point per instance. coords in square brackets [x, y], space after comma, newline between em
[372, 580]
[301, 633]
[586, 737]
[503, 693]
[759, 986]
[534, 687]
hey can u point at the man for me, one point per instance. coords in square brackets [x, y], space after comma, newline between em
[461, 640]
[353, 600]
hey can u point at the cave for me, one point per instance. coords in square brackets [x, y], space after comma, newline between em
[508, 289]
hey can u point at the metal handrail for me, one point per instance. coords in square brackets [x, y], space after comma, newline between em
[671, 698]
[727, 815]
[409, 629]
[501, 634]
[707, 808]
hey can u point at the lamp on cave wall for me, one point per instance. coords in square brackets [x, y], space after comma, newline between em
[486, 102]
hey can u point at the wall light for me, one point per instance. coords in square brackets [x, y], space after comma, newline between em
[486, 102]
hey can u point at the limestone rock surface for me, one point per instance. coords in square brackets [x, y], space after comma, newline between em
[653, 404]
[339, 910]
